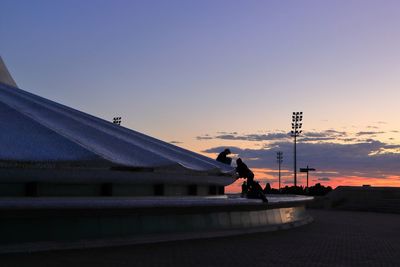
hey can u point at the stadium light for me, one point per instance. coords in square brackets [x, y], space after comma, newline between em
[117, 120]
[297, 118]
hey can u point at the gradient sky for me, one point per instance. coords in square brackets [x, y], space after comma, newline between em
[210, 74]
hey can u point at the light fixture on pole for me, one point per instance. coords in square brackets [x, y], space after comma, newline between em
[297, 118]
[117, 120]
[279, 159]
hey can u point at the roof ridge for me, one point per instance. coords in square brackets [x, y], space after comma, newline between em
[5, 76]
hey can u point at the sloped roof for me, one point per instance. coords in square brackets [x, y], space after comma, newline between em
[36, 130]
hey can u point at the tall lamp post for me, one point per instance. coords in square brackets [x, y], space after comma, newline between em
[297, 118]
[279, 159]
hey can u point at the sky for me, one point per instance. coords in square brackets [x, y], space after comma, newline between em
[211, 74]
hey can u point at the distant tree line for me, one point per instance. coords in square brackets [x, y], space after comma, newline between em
[316, 190]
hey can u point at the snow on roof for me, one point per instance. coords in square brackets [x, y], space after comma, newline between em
[37, 130]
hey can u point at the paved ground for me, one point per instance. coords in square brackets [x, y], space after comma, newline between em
[336, 238]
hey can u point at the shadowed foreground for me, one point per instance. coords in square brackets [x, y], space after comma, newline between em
[336, 238]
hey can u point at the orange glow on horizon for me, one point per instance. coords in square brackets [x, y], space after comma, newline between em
[265, 176]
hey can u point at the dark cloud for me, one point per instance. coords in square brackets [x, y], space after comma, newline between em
[324, 179]
[315, 134]
[253, 137]
[312, 136]
[267, 137]
[176, 142]
[328, 135]
[362, 159]
[369, 133]
[315, 139]
[331, 152]
[204, 137]
[392, 147]
[349, 139]
[334, 132]
[227, 133]
[230, 137]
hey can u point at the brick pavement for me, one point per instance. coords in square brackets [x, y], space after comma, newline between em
[335, 238]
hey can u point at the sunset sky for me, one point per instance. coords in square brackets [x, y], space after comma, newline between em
[207, 75]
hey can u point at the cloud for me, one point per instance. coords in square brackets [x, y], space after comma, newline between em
[369, 133]
[176, 142]
[204, 137]
[349, 139]
[227, 133]
[392, 147]
[327, 135]
[336, 133]
[311, 136]
[315, 139]
[254, 137]
[367, 159]
[324, 179]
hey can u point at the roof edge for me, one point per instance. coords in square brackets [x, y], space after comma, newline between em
[5, 76]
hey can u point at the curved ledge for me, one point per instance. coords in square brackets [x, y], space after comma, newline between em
[45, 224]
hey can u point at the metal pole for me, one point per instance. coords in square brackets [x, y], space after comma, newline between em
[307, 170]
[279, 158]
[279, 175]
[295, 163]
[297, 117]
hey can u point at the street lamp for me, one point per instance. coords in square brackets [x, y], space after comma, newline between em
[297, 118]
[279, 159]
[117, 120]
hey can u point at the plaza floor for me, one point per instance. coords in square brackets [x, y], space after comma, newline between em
[335, 238]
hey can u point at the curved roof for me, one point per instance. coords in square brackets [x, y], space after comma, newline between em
[36, 130]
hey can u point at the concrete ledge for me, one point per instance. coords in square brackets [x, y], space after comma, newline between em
[41, 224]
[98, 243]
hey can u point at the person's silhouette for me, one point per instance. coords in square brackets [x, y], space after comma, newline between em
[244, 189]
[253, 189]
[244, 171]
[223, 157]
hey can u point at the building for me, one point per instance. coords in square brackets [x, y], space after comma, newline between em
[48, 149]
[70, 180]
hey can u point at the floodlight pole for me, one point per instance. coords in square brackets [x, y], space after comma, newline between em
[279, 159]
[297, 117]
[117, 120]
[295, 162]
